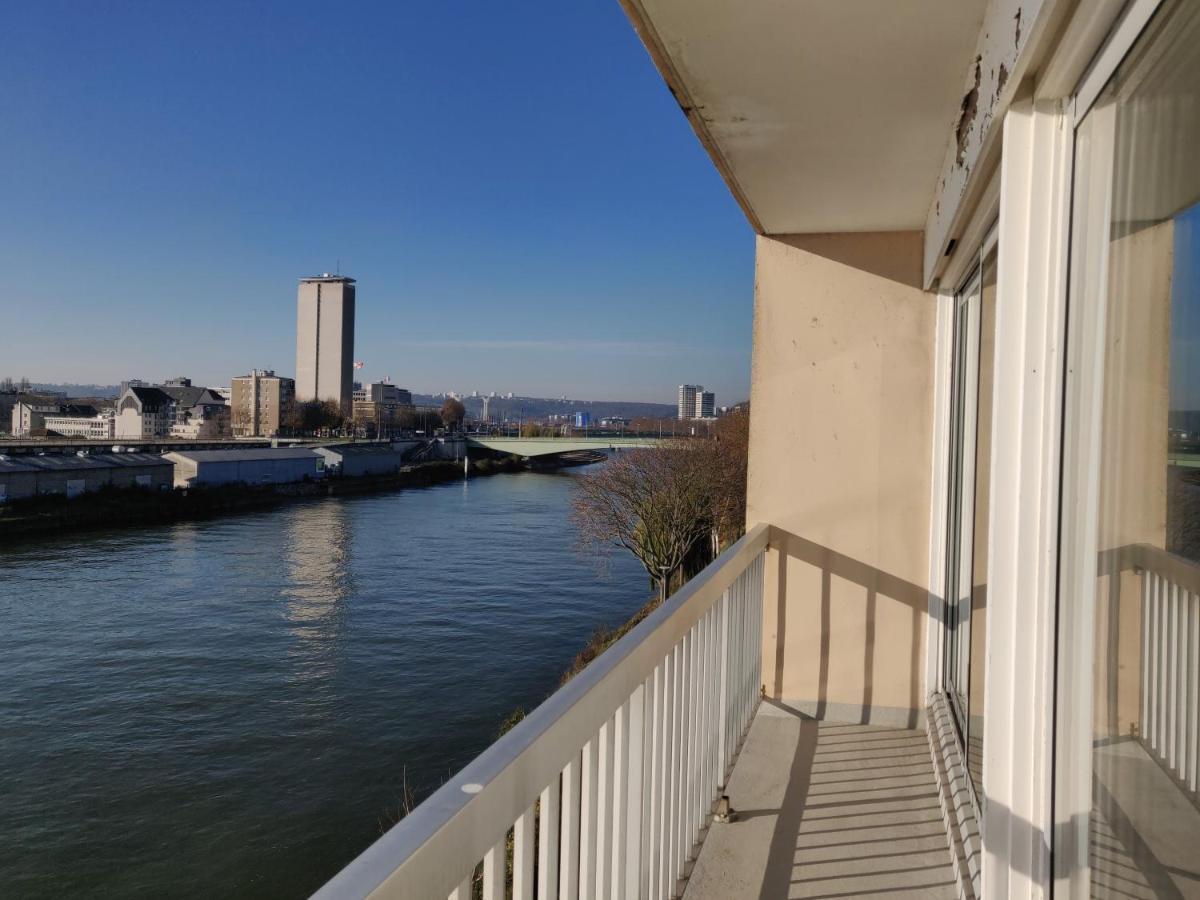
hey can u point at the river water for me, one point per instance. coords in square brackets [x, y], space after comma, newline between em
[231, 707]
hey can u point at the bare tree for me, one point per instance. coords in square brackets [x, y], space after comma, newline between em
[310, 416]
[453, 412]
[654, 503]
[725, 454]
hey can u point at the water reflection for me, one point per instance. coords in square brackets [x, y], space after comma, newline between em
[317, 582]
[225, 708]
[317, 560]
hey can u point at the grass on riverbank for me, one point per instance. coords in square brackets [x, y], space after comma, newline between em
[603, 638]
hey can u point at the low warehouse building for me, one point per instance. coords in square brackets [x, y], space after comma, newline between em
[262, 465]
[362, 459]
[73, 475]
[17, 479]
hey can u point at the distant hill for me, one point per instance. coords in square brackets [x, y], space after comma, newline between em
[79, 390]
[500, 408]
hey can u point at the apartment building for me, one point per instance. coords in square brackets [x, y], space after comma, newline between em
[99, 426]
[325, 340]
[260, 403]
[29, 416]
[378, 405]
[200, 413]
[144, 412]
[955, 654]
[695, 402]
[687, 400]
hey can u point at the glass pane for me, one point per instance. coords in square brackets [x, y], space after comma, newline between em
[958, 620]
[967, 517]
[979, 547]
[1137, 185]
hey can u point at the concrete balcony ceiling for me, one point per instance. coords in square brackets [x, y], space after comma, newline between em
[822, 115]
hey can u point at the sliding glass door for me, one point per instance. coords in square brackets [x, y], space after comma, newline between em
[965, 605]
[1128, 744]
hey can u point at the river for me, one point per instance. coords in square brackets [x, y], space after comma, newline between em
[230, 708]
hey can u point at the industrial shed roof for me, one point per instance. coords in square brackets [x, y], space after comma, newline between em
[64, 463]
[360, 450]
[247, 455]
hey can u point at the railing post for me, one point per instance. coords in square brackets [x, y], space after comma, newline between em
[522, 863]
[494, 865]
[723, 694]
[568, 872]
[548, 831]
[620, 801]
[605, 800]
[587, 822]
[635, 860]
[653, 846]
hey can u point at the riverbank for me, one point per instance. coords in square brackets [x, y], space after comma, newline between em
[116, 508]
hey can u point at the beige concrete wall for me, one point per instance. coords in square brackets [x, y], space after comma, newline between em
[307, 341]
[840, 457]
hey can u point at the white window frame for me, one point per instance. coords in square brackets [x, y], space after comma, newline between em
[1082, 391]
[1029, 199]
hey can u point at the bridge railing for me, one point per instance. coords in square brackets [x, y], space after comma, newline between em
[603, 789]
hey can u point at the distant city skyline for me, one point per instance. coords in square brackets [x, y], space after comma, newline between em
[506, 238]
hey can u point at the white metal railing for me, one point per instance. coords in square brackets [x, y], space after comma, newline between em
[1170, 703]
[603, 790]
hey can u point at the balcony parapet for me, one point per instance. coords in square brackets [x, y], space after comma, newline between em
[612, 779]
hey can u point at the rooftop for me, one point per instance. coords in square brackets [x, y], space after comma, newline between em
[250, 453]
[345, 279]
[63, 462]
[359, 449]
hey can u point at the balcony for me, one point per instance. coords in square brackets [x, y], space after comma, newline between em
[613, 786]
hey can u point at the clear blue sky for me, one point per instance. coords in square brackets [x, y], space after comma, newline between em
[522, 201]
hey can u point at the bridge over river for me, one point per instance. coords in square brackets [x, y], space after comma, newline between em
[551, 446]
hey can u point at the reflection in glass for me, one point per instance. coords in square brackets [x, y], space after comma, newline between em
[1137, 183]
[982, 506]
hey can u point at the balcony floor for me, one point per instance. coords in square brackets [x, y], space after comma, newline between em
[827, 810]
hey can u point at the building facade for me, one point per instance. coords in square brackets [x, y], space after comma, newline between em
[144, 412]
[29, 417]
[97, 427]
[378, 406]
[687, 400]
[266, 465]
[354, 460]
[200, 413]
[70, 476]
[695, 402]
[260, 403]
[325, 340]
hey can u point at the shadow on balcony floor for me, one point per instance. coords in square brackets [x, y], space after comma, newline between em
[827, 810]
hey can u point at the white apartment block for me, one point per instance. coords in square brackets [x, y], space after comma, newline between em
[687, 400]
[695, 402]
[99, 427]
